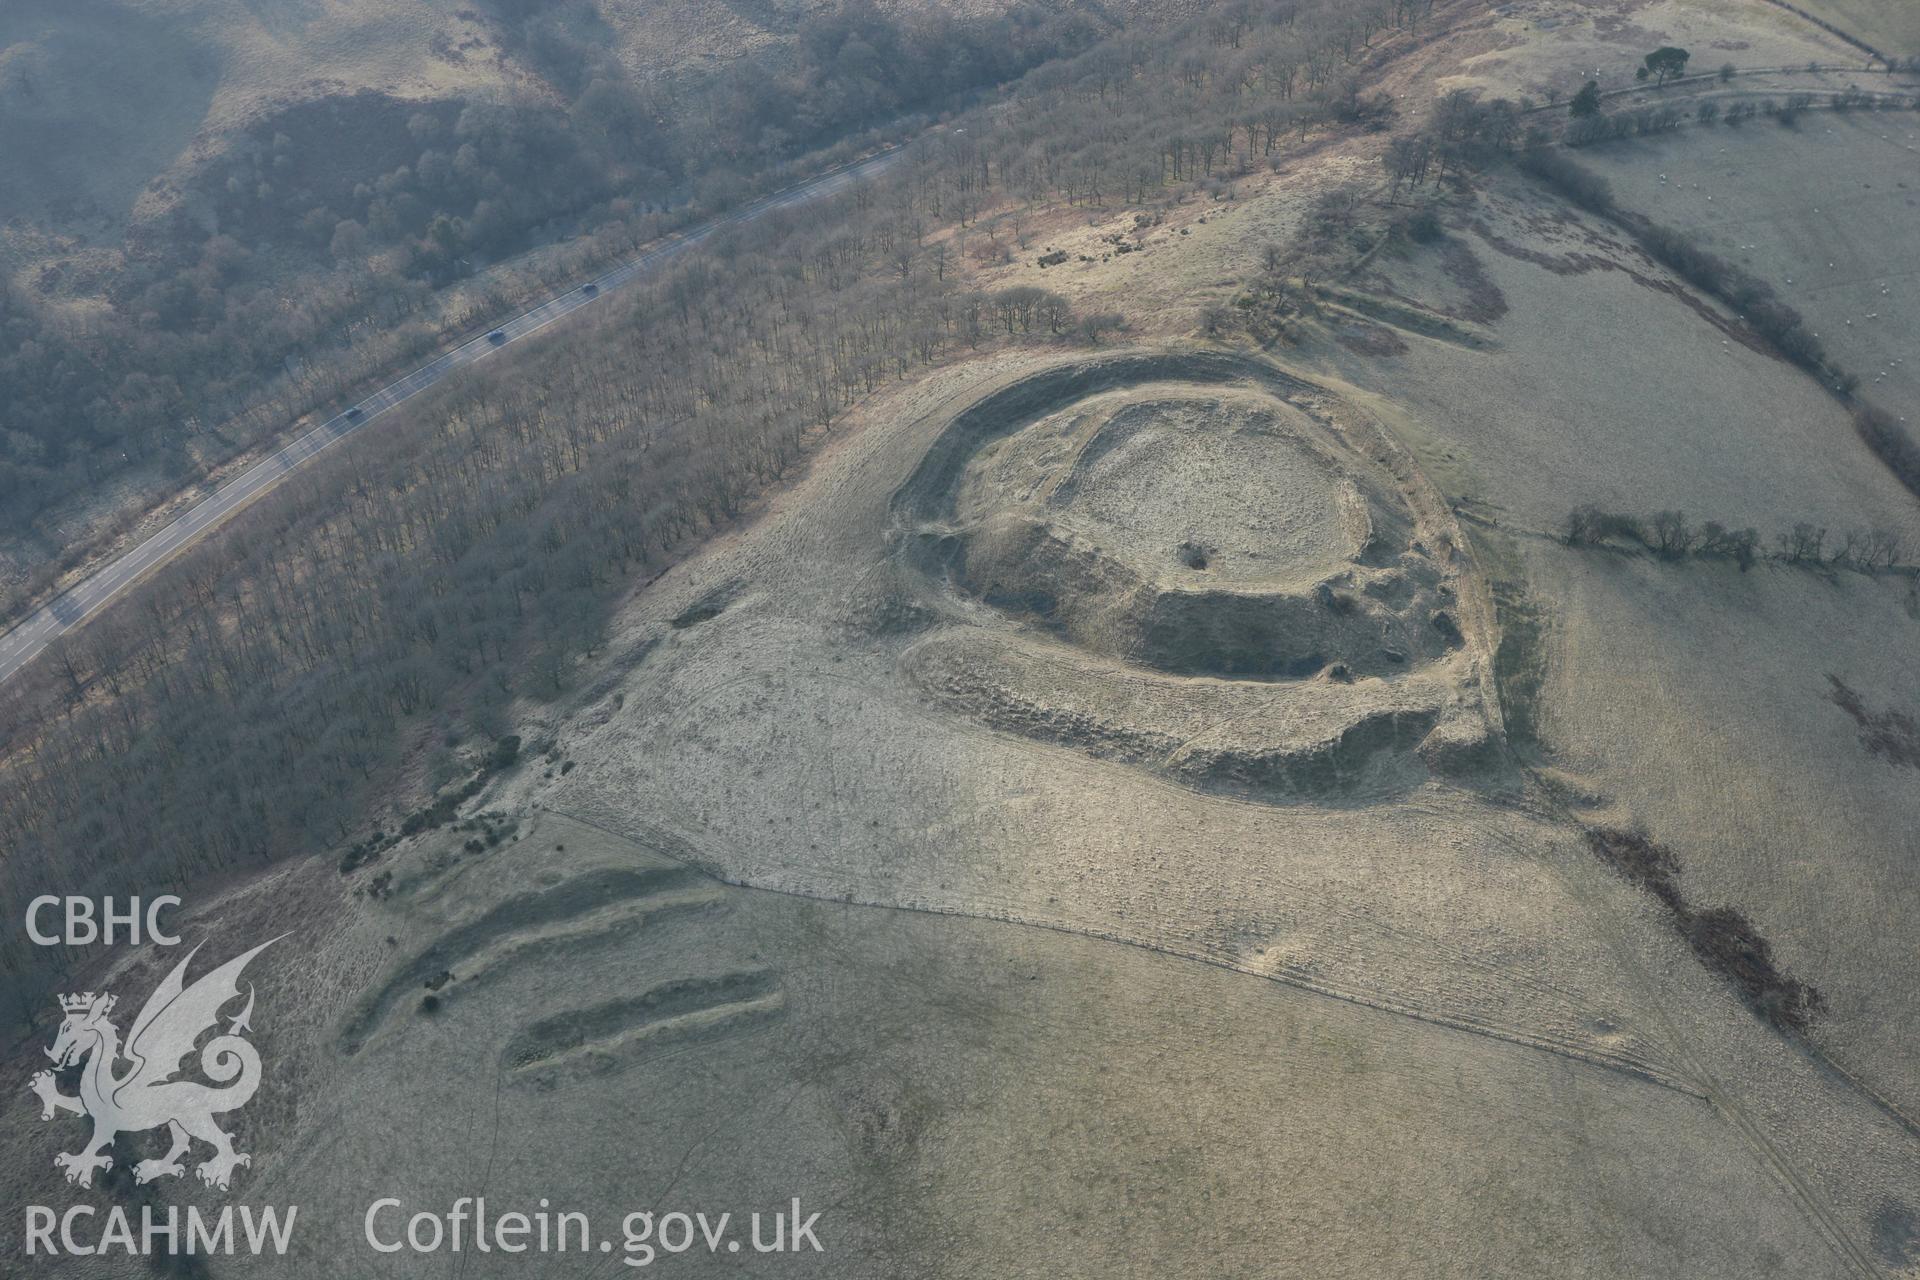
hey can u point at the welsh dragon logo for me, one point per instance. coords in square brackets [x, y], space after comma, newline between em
[145, 1095]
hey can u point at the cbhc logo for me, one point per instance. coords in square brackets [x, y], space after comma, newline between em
[84, 928]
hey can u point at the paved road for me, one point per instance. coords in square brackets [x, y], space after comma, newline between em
[81, 601]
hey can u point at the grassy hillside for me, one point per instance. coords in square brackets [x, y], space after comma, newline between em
[1839, 241]
[1892, 26]
[955, 1096]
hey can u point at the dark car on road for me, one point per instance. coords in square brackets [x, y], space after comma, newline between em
[591, 290]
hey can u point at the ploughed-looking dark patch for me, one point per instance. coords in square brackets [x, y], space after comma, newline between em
[1723, 939]
[1894, 736]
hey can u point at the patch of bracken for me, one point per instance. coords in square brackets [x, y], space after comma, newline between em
[1896, 1234]
[1485, 303]
[1722, 938]
[1894, 736]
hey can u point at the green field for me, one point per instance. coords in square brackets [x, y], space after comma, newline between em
[1891, 26]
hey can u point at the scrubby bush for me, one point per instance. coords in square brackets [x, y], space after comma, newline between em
[1579, 184]
[1656, 119]
[1021, 307]
[1802, 544]
[1788, 114]
[1423, 226]
[1739, 545]
[1673, 537]
[1884, 548]
[1587, 525]
[1669, 535]
[1096, 324]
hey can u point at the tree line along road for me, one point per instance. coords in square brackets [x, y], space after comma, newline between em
[28, 638]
